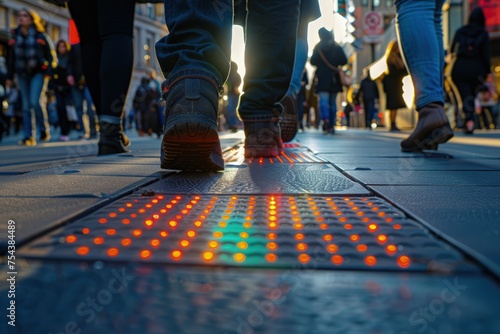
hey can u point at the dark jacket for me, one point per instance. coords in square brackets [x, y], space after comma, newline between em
[472, 49]
[368, 89]
[44, 55]
[334, 54]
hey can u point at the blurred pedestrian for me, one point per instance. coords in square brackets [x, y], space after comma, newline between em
[302, 100]
[31, 59]
[233, 84]
[62, 88]
[327, 54]
[421, 40]
[195, 59]
[106, 41]
[470, 53]
[486, 101]
[393, 82]
[368, 94]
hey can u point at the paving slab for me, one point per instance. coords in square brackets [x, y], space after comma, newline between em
[99, 297]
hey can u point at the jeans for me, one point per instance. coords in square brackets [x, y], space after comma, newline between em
[421, 38]
[31, 89]
[199, 44]
[79, 95]
[370, 111]
[301, 49]
[232, 117]
[328, 107]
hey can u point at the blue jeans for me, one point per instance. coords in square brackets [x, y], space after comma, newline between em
[328, 107]
[31, 89]
[301, 49]
[421, 39]
[232, 117]
[370, 111]
[79, 95]
[199, 44]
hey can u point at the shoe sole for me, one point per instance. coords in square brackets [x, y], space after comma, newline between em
[261, 151]
[191, 146]
[289, 120]
[437, 136]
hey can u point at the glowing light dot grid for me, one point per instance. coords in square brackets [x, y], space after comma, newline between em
[258, 231]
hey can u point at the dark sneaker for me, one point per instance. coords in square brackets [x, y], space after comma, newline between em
[28, 142]
[110, 140]
[191, 140]
[263, 137]
[432, 128]
[289, 118]
[45, 136]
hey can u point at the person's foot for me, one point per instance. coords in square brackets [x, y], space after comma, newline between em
[110, 140]
[191, 140]
[469, 127]
[63, 138]
[262, 138]
[394, 128]
[28, 142]
[289, 118]
[432, 128]
[45, 136]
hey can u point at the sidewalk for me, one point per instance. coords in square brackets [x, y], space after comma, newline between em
[340, 234]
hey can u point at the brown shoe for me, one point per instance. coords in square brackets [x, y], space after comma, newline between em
[432, 128]
[289, 118]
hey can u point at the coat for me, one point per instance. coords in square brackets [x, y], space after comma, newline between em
[334, 54]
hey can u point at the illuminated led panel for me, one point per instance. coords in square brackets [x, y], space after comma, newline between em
[255, 231]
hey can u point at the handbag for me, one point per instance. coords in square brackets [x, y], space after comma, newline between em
[345, 80]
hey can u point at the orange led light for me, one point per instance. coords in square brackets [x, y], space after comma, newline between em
[301, 247]
[222, 224]
[133, 215]
[362, 248]
[125, 221]
[365, 219]
[121, 209]
[337, 259]
[156, 216]
[113, 252]
[98, 240]
[323, 226]
[218, 234]
[374, 208]
[372, 227]
[359, 214]
[71, 239]
[136, 233]
[381, 214]
[110, 231]
[126, 242]
[247, 224]
[85, 230]
[163, 234]
[296, 219]
[388, 220]
[354, 237]
[244, 235]
[191, 233]
[154, 201]
[271, 257]
[304, 258]
[397, 226]
[155, 243]
[197, 223]
[128, 205]
[184, 243]
[172, 223]
[103, 220]
[178, 217]
[145, 254]
[160, 197]
[149, 206]
[403, 261]
[168, 206]
[298, 226]
[273, 225]
[271, 236]
[348, 226]
[176, 255]
[332, 248]
[328, 237]
[370, 260]
[239, 257]
[342, 219]
[208, 256]
[83, 250]
[299, 236]
[141, 210]
[242, 245]
[112, 214]
[272, 246]
[382, 238]
[391, 249]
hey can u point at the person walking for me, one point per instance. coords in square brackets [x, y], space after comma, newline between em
[470, 52]
[60, 83]
[368, 93]
[327, 54]
[233, 84]
[106, 41]
[420, 35]
[31, 59]
[393, 82]
[195, 60]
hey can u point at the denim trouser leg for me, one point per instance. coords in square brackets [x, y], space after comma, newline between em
[199, 42]
[328, 106]
[421, 38]
[31, 89]
[271, 33]
[77, 95]
[301, 49]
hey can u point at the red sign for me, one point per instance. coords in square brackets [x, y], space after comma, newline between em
[373, 24]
